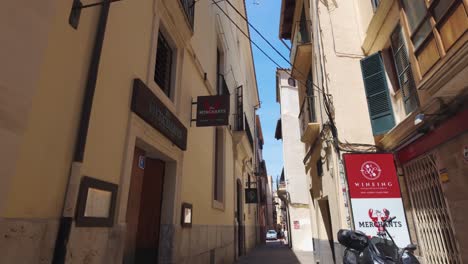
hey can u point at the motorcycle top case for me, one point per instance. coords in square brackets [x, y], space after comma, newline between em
[352, 239]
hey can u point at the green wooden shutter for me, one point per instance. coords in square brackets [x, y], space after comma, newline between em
[378, 98]
[403, 68]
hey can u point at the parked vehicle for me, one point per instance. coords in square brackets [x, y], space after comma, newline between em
[360, 249]
[271, 235]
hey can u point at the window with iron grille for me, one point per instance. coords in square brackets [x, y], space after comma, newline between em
[239, 116]
[311, 98]
[163, 68]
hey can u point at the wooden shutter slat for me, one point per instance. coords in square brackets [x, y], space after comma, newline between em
[378, 98]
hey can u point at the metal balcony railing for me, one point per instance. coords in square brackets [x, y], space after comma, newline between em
[249, 133]
[189, 10]
[307, 114]
[239, 115]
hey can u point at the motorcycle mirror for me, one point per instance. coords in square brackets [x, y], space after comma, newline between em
[411, 247]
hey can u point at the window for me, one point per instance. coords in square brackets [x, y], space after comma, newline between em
[319, 167]
[311, 98]
[221, 86]
[218, 194]
[403, 70]
[375, 4]
[163, 68]
[434, 27]
[189, 10]
[303, 36]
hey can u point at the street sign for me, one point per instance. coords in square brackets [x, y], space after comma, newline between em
[213, 110]
[251, 195]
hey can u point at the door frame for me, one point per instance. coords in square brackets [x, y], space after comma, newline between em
[156, 146]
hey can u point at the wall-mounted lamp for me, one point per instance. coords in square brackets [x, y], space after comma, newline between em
[419, 118]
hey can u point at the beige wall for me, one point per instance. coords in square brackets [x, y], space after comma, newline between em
[41, 110]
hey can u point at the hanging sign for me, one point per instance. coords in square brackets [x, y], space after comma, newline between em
[251, 195]
[147, 106]
[212, 110]
[375, 195]
[297, 225]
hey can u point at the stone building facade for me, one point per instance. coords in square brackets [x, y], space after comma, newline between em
[98, 144]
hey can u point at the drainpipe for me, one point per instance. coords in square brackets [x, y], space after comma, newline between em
[60, 250]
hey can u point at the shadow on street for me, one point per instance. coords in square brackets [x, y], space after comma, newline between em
[275, 252]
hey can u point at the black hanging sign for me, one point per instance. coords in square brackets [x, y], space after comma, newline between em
[212, 110]
[251, 195]
[147, 106]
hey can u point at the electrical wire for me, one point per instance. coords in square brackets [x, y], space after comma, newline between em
[257, 46]
[328, 104]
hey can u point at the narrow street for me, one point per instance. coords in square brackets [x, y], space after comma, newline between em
[274, 252]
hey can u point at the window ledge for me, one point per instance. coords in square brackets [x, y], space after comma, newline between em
[376, 23]
[218, 205]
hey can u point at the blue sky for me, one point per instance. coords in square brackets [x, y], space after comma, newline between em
[264, 16]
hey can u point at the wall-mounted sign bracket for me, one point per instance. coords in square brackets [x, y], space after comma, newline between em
[191, 113]
[75, 13]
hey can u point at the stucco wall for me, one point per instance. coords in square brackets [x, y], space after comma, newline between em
[45, 90]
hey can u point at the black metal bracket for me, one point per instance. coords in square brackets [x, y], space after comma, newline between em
[191, 113]
[75, 13]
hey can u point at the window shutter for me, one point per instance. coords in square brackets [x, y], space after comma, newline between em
[405, 74]
[378, 98]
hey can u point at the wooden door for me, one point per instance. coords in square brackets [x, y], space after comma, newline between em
[147, 239]
[133, 206]
[144, 210]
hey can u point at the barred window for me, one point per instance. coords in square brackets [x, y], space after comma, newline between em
[163, 69]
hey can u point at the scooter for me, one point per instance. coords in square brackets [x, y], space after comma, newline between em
[360, 249]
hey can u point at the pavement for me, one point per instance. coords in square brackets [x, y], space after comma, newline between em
[275, 252]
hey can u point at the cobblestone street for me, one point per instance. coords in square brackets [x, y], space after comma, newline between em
[274, 252]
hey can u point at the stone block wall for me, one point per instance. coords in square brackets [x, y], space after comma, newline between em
[203, 244]
[26, 241]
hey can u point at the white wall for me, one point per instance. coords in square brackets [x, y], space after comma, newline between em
[297, 183]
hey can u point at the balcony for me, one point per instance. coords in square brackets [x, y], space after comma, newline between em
[310, 128]
[281, 189]
[301, 52]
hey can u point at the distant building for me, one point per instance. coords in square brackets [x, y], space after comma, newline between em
[293, 188]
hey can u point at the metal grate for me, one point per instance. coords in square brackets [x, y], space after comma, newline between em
[432, 219]
[239, 115]
[163, 68]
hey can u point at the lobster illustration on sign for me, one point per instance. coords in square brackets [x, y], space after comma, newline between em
[379, 218]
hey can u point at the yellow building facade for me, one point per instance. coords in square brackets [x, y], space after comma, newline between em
[47, 111]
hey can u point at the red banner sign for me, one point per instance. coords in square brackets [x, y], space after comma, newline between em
[371, 176]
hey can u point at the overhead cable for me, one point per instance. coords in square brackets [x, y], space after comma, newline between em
[258, 47]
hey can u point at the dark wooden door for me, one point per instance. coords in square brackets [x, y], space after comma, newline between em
[144, 210]
[147, 239]
[133, 206]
